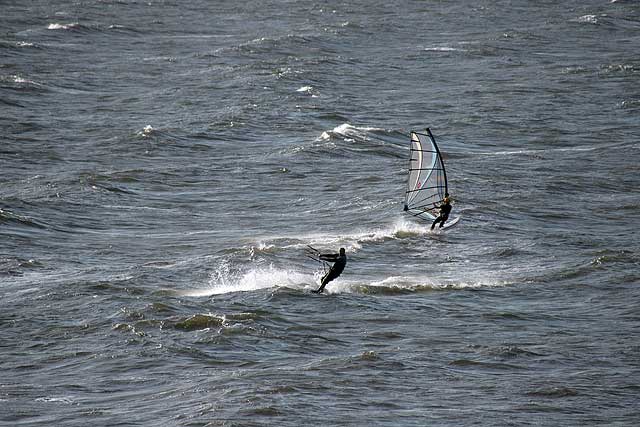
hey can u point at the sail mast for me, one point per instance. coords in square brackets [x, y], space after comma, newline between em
[444, 171]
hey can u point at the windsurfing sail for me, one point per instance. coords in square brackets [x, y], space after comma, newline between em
[427, 184]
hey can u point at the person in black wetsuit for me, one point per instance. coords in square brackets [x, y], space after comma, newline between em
[445, 210]
[339, 261]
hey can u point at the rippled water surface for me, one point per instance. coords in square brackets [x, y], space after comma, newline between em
[164, 165]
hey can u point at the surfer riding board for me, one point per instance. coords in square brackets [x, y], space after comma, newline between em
[427, 195]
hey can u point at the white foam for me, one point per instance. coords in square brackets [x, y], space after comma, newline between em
[56, 26]
[540, 151]
[18, 79]
[588, 19]
[262, 247]
[444, 49]
[47, 399]
[412, 284]
[146, 131]
[401, 227]
[350, 132]
[223, 282]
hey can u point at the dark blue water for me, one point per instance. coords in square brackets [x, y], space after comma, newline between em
[164, 165]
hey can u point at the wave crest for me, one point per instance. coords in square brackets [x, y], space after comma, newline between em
[223, 281]
[349, 132]
[398, 285]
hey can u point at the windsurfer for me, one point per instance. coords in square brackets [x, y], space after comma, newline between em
[445, 210]
[339, 262]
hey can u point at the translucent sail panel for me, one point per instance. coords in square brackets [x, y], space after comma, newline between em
[427, 182]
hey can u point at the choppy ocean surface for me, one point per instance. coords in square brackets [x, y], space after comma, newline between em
[164, 165]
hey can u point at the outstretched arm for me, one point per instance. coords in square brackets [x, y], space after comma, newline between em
[329, 257]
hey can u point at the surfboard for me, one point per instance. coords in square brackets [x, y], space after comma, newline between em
[447, 225]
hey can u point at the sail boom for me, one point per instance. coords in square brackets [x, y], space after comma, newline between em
[424, 151]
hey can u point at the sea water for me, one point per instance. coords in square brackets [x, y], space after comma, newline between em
[164, 166]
